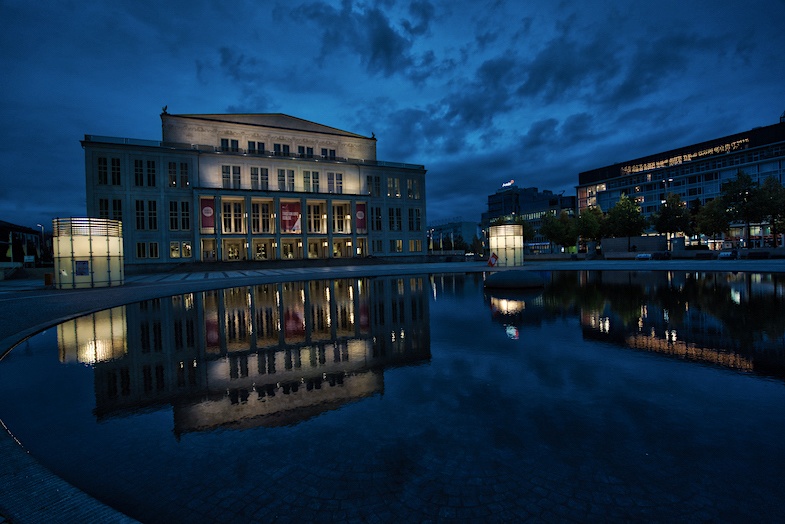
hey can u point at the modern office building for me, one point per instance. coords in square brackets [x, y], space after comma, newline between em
[229, 187]
[529, 203]
[694, 172]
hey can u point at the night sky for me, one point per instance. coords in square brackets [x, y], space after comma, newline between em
[478, 92]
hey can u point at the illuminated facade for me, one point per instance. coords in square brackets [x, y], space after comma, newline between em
[254, 187]
[694, 172]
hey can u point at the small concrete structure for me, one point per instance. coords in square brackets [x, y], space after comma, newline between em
[88, 252]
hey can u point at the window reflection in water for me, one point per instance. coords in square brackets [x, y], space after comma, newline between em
[269, 354]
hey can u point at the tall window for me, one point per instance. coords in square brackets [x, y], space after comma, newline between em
[151, 173]
[115, 171]
[230, 177]
[374, 185]
[413, 189]
[264, 179]
[260, 217]
[376, 218]
[172, 174]
[415, 219]
[103, 208]
[117, 209]
[335, 182]
[286, 179]
[174, 216]
[185, 216]
[140, 218]
[315, 218]
[138, 173]
[152, 215]
[103, 171]
[395, 218]
[415, 246]
[254, 178]
[393, 187]
[255, 147]
[184, 178]
[311, 181]
[232, 217]
[341, 218]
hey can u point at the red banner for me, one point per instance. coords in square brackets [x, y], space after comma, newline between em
[291, 217]
[360, 215]
[207, 206]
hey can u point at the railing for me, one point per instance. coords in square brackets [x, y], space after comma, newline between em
[103, 227]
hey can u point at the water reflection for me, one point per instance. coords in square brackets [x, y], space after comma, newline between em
[735, 320]
[265, 355]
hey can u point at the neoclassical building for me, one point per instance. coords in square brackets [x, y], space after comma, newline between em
[230, 187]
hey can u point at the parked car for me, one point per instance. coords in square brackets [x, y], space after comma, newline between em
[730, 254]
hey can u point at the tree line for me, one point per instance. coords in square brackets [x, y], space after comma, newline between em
[742, 201]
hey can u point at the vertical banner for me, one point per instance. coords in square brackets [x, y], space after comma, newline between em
[291, 217]
[360, 214]
[207, 206]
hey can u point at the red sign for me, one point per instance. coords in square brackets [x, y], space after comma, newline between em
[291, 217]
[207, 206]
[361, 215]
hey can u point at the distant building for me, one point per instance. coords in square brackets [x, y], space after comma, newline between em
[448, 235]
[511, 201]
[224, 187]
[695, 172]
[21, 245]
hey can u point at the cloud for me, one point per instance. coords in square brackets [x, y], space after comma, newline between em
[422, 13]
[366, 32]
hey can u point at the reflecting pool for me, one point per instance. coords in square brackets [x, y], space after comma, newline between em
[606, 396]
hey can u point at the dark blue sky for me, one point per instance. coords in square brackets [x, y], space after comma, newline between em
[479, 92]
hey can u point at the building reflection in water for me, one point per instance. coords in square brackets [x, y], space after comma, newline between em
[266, 355]
[734, 320]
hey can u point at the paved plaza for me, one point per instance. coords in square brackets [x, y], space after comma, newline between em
[29, 493]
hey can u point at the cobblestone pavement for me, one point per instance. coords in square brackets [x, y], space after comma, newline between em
[29, 493]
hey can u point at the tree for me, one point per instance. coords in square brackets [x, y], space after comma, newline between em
[673, 216]
[625, 220]
[528, 229]
[739, 196]
[770, 202]
[590, 224]
[712, 219]
[562, 231]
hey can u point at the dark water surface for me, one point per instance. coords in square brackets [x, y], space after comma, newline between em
[608, 396]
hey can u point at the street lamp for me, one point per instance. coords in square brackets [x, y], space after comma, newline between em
[41, 251]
